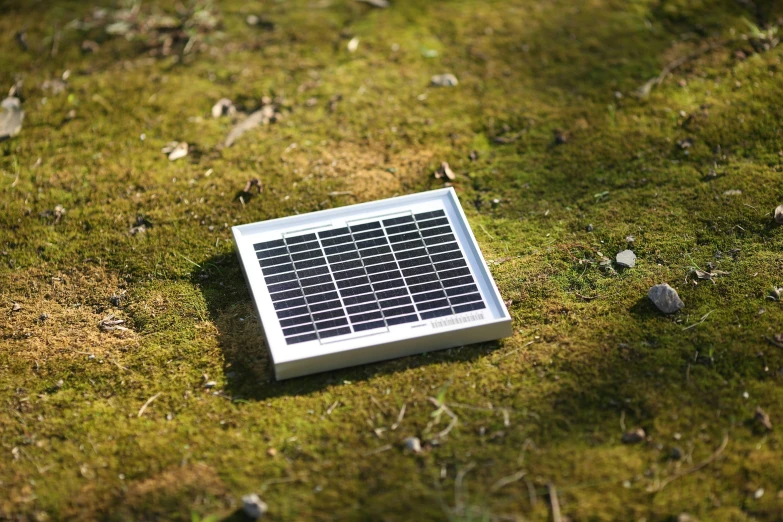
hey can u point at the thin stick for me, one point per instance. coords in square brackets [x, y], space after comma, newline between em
[531, 492]
[188, 260]
[703, 318]
[399, 418]
[645, 89]
[697, 467]
[486, 232]
[505, 481]
[149, 401]
[385, 447]
[332, 407]
[512, 352]
[378, 404]
[773, 342]
[555, 503]
[458, 485]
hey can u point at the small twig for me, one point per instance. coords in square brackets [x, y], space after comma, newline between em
[773, 342]
[458, 486]
[444, 409]
[515, 350]
[645, 89]
[39, 469]
[505, 481]
[554, 502]
[149, 401]
[332, 407]
[189, 260]
[341, 193]
[119, 365]
[486, 232]
[277, 481]
[385, 447]
[378, 404]
[697, 467]
[703, 318]
[399, 418]
[531, 492]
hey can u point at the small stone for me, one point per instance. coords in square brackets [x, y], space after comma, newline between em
[626, 259]
[15, 307]
[589, 227]
[665, 298]
[272, 452]
[43, 317]
[733, 192]
[630, 239]
[762, 418]
[210, 384]
[444, 80]
[253, 506]
[353, 44]
[116, 300]
[223, 107]
[58, 213]
[676, 453]
[179, 151]
[758, 493]
[412, 444]
[685, 517]
[59, 384]
[11, 117]
[445, 172]
[634, 436]
[779, 215]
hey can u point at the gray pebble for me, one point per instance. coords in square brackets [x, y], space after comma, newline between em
[413, 444]
[444, 80]
[665, 298]
[779, 215]
[634, 436]
[626, 259]
[253, 506]
[11, 116]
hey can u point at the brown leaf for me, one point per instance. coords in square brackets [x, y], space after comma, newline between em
[762, 418]
[445, 172]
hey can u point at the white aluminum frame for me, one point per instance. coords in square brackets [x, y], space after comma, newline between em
[293, 360]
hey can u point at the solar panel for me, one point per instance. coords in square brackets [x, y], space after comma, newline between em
[369, 282]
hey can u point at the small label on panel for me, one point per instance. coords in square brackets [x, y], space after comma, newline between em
[457, 319]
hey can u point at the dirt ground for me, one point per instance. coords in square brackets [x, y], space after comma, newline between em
[578, 129]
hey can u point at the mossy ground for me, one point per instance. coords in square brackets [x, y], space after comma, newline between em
[590, 357]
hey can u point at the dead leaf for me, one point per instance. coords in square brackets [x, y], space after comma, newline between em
[762, 418]
[445, 172]
[263, 116]
[109, 323]
[253, 183]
